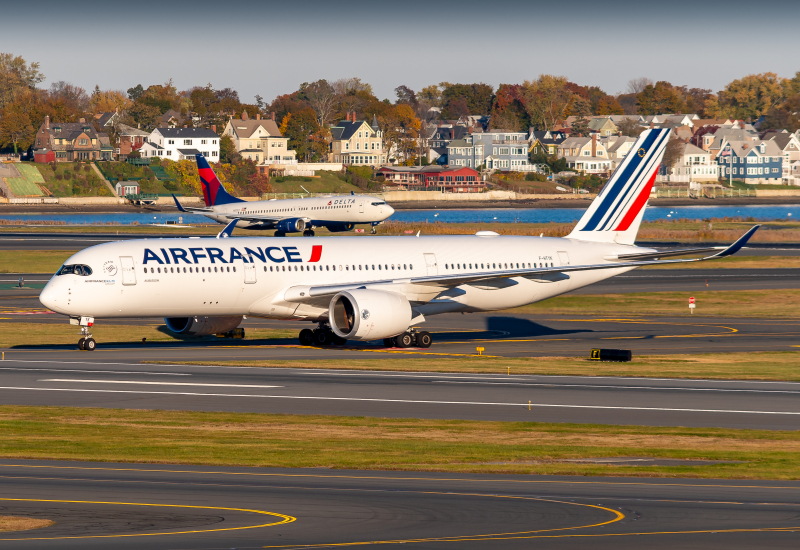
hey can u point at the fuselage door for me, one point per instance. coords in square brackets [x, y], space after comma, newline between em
[128, 270]
[430, 264]
[361, 206]
[564, 257]
[250, 273]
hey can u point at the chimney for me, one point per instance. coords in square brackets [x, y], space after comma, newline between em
[594, 145]
[741, 124]
[83, 121]
[244, 115]
[652, 125]
[214, 128]
[258, 116]
[47, 121]
[273, 115]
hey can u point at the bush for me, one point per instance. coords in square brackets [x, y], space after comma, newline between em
[59, 177]
[533, 176]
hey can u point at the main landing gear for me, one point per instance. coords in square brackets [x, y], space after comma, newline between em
[320, 336]
[308, 233]
[411, 338]
[86, 343]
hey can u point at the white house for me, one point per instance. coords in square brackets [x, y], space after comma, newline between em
[260, 140]
[694, 165]
[587, 155]
[789, 145]
[181, 144]
[125, 188]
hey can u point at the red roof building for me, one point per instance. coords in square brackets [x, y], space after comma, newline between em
[458, 179]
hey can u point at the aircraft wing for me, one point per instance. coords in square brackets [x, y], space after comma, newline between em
[497, 279]
[264, 218]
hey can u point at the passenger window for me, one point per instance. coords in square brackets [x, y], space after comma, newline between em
[234, 269]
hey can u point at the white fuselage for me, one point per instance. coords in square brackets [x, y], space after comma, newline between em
[255, 275]
[344, 209]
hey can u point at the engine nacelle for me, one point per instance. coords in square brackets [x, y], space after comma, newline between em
[202, 326]
[369, 314]
[339, 227]
[291, 225]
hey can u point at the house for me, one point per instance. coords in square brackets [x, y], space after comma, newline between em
[751, 161]
[260, 140]
[603, 126]
[170, 119]
[495, 150]
[452, 179]
[617, 148]
[106, 120]
[125, 188]
[679, 120]
[181, 144]
[544, 141]
[106, 149]
[585, 154]
[69, 141]
[357, 143]
[789, 146]
[129, 139]
[728, 134]
[694, 165]
[793, 176]
[440, 136]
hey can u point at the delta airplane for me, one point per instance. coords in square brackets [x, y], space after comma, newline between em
[360, 289]
[335, 213]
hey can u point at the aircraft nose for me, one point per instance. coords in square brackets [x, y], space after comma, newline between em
[49, 296]
[388, 210]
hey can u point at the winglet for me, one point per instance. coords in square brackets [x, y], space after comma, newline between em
[735, 247]
[178, 204]
[352, 193]
[225, 233]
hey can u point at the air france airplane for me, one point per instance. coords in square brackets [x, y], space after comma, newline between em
[360, 289]
[335, 213]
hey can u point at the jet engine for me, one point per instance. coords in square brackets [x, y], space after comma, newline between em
[369, 314]
[291, 225]
[202, 326]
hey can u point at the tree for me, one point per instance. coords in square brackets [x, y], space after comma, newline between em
[305, 135]
[15, 128]
[673, 152]
[637, 85]
[431, 94]
[227, 151]
[546, 100]
[752, 96]
[478, 98]
[16, 77]
[580, 127]
[136, 92]
[456, 108]
[508, 111]
[108, 101]
[406, 95]
[661, 98]
[322, 98]
[630, 127]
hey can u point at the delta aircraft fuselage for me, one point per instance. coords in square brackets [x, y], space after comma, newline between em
[264, 276]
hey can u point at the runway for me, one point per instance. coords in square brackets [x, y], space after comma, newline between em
[202, 507]
[102, 380]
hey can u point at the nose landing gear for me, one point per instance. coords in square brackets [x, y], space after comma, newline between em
[86, 343]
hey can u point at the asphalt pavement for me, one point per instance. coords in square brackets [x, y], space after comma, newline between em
[127, 506]
[105, 380]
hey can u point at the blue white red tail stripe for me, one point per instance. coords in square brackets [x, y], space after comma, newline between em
[618, 208]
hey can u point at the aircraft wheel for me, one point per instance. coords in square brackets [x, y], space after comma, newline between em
[280, 234]
[404, 340]
[307, 337]
[89, 344]
[308, 233]
[388, 342]
[323, 337]
[424, 339]
[338, 340]
[80, 343]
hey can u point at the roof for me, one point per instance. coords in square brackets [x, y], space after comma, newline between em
[189, 152]
[781, 138]
[153, 145]
[744, 148]
[346, 129]
[424, 169]
[125, 130]
[186, 132]
[598, 123]
[104, 118]
[459, 143]
[689, 149]
[251, 151]
[246, 128]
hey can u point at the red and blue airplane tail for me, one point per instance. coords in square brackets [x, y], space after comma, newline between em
[616, 213]
[213, 192]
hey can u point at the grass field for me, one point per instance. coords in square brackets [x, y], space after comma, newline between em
[744, 366]
[28, 183]
[32, 261]
[38, 334]
[169, 437]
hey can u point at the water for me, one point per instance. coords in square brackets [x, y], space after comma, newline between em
[500, 215]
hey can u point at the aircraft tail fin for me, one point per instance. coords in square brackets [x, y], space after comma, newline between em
[213, 191]
[616, 213]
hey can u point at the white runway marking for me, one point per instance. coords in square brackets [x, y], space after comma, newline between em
[138, 382]
[410, 401]
[96, 371]
[605, 387]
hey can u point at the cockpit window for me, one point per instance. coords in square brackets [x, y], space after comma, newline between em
[77, 269]
[378, 203]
